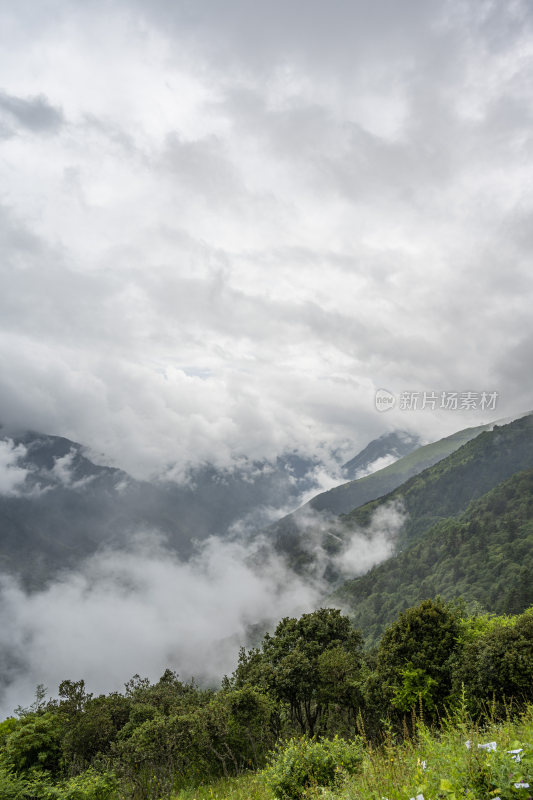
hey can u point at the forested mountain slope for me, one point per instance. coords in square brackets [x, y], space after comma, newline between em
[342, 499]
[483, 555]
[448, 487]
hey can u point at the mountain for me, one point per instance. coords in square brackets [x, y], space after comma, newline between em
[58, 507]
[381, 452]
[467, 531]
[483, 555]
[448, 487]
[287, 532]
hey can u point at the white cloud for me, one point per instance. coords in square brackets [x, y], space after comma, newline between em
[142, 611]
[12, 476]
[355, 549]
[63, 471]
[369, 547]
[378, 463]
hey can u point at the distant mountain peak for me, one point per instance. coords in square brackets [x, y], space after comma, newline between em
[381, 452]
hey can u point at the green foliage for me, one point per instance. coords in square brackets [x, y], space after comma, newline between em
[38, 785]
[466, 762]
[307, 664]
[249, 786]
[303, 763]
[7, 726]
[435, 764]
[12, 786]
[499, 662]
[35, 742]
[234, 731]
[413, 657]
[311, 675]
[90, 785]
[415, 686]
[168, 695]
[156, 754]
[217, 734]
[496, 773]
[90, 732]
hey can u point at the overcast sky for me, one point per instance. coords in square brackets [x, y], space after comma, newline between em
[225, 225]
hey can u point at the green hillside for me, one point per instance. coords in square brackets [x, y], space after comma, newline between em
[483, 555]
[286, 532]
[344, 498]
[448, 487]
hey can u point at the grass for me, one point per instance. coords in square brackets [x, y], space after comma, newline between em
[246, 787]
[438, 766]
[442, 766]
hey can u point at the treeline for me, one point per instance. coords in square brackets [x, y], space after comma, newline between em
[311, 676]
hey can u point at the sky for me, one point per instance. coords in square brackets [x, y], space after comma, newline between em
[225, 226]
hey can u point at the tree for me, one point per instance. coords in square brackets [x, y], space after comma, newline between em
[92, 732]
[497, 659]
[35, 743]
[308, 664]
[413, 658]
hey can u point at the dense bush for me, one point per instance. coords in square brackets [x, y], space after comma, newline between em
[38, 785]
[304, 763]
[497, 661]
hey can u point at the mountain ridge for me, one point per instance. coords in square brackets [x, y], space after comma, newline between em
[482, 555]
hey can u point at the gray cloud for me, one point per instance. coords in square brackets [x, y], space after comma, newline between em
[201, 166]
[33, 113]
[255, 217]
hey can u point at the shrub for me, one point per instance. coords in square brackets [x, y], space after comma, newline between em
[38, 785]
[11, 786]
[90, 785]
[305, 763]
[35, 742]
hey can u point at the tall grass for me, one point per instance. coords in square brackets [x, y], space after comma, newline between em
[438, 765]
[441, 765]
[247, 787]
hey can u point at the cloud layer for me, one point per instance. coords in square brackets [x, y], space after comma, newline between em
[224, 226]
[142, 610]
